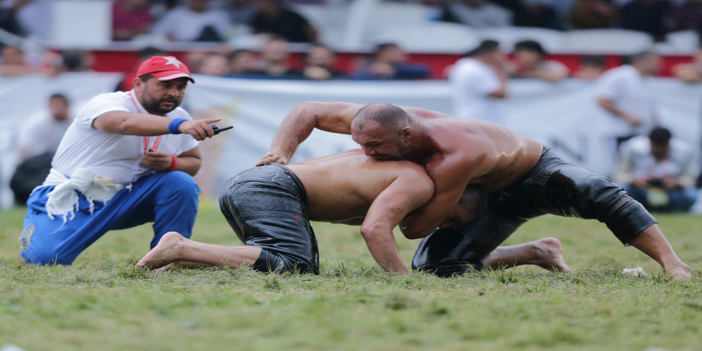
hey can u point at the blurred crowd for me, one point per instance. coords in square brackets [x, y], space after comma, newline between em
[217, 20]
[655, 17]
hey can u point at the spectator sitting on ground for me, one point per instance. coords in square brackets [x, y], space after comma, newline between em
[13, 62]
[319, 64]
[38, 140]
[273, 17]
[684, 16]
[690, 72]
[389, 62]
[240, 11]
[626, 93]
[480, 14]
[591, 67]
[657, 171]
[244, 62]
[479, 83]
[589, 14]
[195, 22]
[130, 18]
[531, 62]
[645, 16]
[214, 65]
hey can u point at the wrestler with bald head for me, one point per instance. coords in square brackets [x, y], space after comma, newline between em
[524, 179]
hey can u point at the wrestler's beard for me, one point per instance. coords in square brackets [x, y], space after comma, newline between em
[401, 154]
[154, 106]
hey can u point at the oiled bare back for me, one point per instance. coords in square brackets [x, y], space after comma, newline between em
[343, 186]
[494, 156]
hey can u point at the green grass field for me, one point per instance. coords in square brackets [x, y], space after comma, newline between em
[102, 303]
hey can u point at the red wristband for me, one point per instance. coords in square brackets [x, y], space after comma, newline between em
[174, 164]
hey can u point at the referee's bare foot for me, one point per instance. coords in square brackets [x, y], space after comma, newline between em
[548, 254]
[164, 253]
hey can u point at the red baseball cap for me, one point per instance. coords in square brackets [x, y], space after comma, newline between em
[164, 68]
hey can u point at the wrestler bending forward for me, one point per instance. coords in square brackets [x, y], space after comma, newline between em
[270, 207]
[524, 180]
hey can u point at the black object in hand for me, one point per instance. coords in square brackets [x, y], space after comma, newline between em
[218, 130]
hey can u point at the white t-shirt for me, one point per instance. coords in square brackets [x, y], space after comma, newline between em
[471, 82]
[41, 134]
[114, 155]
[186, 25]
[631, 92]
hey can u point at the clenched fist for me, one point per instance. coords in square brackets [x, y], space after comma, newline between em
[199, 129]
[156, 160]
[273, 157]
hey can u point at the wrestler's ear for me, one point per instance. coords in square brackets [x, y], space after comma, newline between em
[406, 133]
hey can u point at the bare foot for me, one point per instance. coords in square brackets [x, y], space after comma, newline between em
[548, 254]
[679, 272]
[164, 253]
[165, 268]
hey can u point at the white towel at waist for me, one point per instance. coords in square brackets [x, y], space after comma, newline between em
[63, 200]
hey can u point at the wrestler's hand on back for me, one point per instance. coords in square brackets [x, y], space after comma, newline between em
[334, 117]
[156, 160]
[273, 157]
[199, 129]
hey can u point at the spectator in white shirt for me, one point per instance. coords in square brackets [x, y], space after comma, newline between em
[39, 139]
[195, 22]
[43, 133]
[479, 83]
[480, 14]
[626, 94]
[657, 171]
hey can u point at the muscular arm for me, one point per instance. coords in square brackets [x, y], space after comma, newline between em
[403, 196]
[335, 117]
[450, 180]
[144, 124]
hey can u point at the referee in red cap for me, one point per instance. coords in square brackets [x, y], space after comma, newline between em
[127, 159]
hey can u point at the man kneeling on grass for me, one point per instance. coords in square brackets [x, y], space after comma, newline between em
[270, 209]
